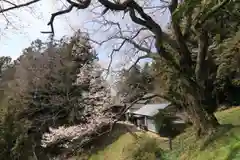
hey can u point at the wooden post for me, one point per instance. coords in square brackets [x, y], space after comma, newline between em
[145, 120]
[127, 117]
[170, 143]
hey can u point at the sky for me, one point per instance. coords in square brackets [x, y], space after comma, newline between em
[20, 27]
[27, 24]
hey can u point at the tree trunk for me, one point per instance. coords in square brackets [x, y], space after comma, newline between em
[203, 122]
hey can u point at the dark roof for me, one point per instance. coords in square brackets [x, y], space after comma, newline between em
[141, 103]
[137, 106]
[134, 108]
[151, 109]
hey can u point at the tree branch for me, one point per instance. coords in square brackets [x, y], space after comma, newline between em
[9, 2]
[172, 42]
[18, 6]
[129, 40]
[81, 5]
[69, 9]
[133, 6]
[146, 21]
[203, 39]
[149, 55]
[187, 28]
[155, 29]
[212, 11]
[111, 56]
[139, 47]
[115, 6]
[184, 51]
[202, 52]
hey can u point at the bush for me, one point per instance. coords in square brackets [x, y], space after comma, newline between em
[143, 148]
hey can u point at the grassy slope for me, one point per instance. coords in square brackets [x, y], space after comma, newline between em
[115, 150]
[225, 145]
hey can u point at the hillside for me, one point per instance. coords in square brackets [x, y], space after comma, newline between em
[223, 145]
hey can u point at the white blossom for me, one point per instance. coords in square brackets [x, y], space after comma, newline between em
[96, 101]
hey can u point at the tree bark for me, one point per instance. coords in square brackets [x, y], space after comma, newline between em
[203, 121]
[193, 97]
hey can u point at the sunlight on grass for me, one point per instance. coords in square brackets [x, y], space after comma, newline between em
[114, 150]
[230, 116]
[225, 147]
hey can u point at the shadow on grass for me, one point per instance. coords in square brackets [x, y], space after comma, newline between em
[221, 130]
[103, 141]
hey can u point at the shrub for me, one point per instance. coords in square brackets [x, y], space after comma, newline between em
[143, 148]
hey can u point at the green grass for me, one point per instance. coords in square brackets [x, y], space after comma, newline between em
[223, 145]
[115, 150]
[230, 116]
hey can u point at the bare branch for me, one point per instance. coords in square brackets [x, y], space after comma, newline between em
[69, 9]
[146, 21]
[19, 6]
[112, 54]
[129, 40]
[150, 55]
[81, 5]
[155, 7]
[113, 6]
[139, 47]
[9, 2]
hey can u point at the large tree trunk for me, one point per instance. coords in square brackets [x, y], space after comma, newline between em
[203, 121]
[193, 97]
